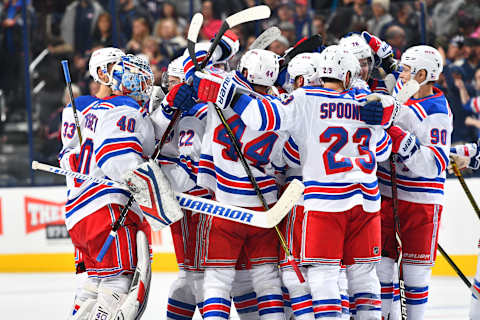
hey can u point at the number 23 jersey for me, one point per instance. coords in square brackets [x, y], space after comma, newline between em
[338, 151]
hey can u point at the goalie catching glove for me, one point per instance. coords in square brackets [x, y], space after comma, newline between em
[153, 193]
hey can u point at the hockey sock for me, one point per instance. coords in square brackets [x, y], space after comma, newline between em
[475, 304]
[417, 279]
[323, 281]
[216, 290]
[343, 287]
[299, 295]
[364, 287]
[181, 300]
[267, 285]
[244, 298]
[87, 288]
[385, 272]
[287, 306]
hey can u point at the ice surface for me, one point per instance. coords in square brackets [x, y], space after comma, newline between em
[50, 296]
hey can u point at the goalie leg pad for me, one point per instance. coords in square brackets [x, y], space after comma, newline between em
[137, 297]
[152, 191]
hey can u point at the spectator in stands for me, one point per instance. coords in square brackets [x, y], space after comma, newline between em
[444, 17]
[128, 12]
[211, 20]
[303, 20]
[381, 16]
[102, 34]
[284, 13]
[396, 37]
[11, 58]
[471, 62]
[170, 11]
[78, 23]
[288, 31]
[279, 46]
[454, 52]
[171, 42]
[140, 30]
[157, 60]
[405, 18]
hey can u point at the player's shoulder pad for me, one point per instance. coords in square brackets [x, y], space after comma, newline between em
[198, 111]
[123, 102]
[434, 104]
[83, 102]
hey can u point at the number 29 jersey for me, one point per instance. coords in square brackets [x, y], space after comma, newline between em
[338, 151]
[117, 137]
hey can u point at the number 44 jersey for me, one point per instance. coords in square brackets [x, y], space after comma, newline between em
[117, 136]
[338, 151]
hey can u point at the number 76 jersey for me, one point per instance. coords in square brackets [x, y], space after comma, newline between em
[338, 151]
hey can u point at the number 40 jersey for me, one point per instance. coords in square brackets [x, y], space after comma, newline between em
[117, 137]
[338, 151]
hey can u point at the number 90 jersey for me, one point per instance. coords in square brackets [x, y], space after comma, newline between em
[117, 136]
[220, 169]
[338, 151]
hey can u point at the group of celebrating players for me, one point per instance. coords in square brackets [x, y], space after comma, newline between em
[322, 120]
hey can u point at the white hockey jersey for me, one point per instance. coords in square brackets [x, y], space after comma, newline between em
[421, 177]
[338, 151]
[117, 137]
[181, 153]
[221, 171]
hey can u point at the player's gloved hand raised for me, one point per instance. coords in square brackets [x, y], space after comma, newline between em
[383, 50]
[403, 142]
[213, 88]
[181, 97]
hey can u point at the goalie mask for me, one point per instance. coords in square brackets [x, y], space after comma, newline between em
[101, 58]
[133, 77]
[336, 63]
[262, 67]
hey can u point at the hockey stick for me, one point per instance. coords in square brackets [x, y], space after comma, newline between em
[458, 271]
[247, 15]
[396, 218]
[68, 81]
[267, 219]
[266, 38]
[465, 187]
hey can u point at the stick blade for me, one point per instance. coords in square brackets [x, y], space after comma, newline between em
[286, 202]
[247, 15]
[408, 90]
[266, 38]
[195, 26]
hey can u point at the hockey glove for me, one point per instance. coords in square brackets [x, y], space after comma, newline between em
[181, 97]
[211, 88]
[383, 50]
[380, 110]
[403, 142]
[466, 156]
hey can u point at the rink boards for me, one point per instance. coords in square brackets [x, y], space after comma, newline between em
[33, 237]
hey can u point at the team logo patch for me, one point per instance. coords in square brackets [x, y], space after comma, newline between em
[376, 250]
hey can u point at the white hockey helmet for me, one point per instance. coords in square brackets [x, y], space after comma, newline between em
[305, 65]
[423, 58]
[359, 48]
[336, 63]
[133, 77]
[175, 68]
[101, 58]
[262, 66]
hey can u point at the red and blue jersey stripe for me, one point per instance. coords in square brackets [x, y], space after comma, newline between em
[340, 190]
[117, 146]
[417, 184]
[383, 145]
[290, 151]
